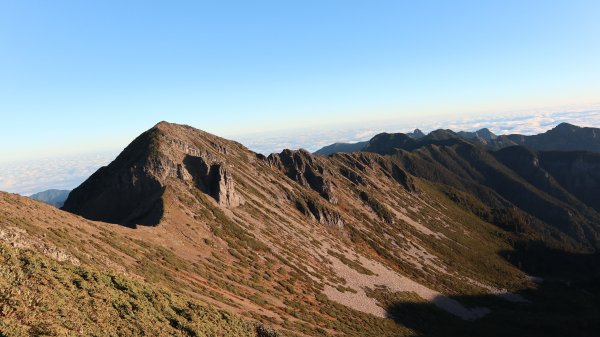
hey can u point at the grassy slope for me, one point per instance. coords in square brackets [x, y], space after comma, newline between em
[42, 297]
[112, 247]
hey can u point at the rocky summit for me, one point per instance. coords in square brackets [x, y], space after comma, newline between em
[186, 233]
[131, 190]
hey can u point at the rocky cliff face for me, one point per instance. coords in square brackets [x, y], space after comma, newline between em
[130, 190]
[214, 179]
[306, 170]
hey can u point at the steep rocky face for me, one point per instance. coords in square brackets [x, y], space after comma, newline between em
[319, 212]
[306, 170]
[214, 179]
[356, 165]
[130, 190]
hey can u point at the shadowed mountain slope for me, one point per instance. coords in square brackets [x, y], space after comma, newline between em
[563, 137]
[512, 177]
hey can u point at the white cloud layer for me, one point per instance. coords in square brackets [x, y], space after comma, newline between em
[523, 123]
[66, 173]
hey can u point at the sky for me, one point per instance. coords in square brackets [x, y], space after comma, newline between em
[81, 79]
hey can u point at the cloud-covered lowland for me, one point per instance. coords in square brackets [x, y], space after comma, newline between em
[65, 173]
[518, 122]
[28, 177]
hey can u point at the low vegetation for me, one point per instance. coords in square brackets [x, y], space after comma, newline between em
[42, 297]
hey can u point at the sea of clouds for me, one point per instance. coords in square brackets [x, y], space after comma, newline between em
[28, 177]
[527, 123]
[63, 173]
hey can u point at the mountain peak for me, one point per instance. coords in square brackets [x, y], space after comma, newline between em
[171, 127]
[416, 134]
[485, 134]
[162, 124]
[131, 189]
[387, 143]
[565, 127]
[442, 134]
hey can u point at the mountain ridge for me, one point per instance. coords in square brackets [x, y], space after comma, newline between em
[563, 137]
[315, 245]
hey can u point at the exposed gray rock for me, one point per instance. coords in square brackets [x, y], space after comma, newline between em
[130, 190]
[303, 168]
[214, 179]
[321, 213]
[224, 191]
[19, 238]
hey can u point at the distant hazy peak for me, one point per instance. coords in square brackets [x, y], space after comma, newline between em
[565, 125]
[52, 197]
[416, 134]
[341, 147]
[441, 134]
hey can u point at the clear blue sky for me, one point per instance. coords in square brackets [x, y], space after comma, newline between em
[86, 75]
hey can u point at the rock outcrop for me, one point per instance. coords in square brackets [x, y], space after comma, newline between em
[319, 212]
[305, 169]
[214, 179]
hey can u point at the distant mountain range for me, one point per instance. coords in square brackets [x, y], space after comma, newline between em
[52, 197]
[189, 234]
[358, 146]
[342, 147]
[563, 137]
